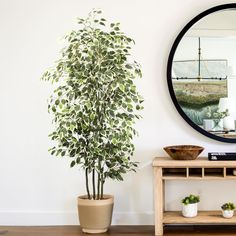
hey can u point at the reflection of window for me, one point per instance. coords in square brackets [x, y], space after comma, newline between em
[209, 69]
[201, 68]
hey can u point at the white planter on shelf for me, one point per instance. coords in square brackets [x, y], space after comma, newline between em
[228, 213]
[189, 210]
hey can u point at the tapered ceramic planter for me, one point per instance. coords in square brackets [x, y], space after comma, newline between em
[95, 215]
[189, 210]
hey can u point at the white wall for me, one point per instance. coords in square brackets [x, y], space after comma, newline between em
[37, 189]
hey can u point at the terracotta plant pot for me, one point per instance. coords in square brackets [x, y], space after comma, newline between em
[95, 215]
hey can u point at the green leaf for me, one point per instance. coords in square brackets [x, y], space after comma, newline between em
[129, 39]
[52, 153]
[72, 164]
[92, 116]
[122, 87]
[63, 153]
[128, 66]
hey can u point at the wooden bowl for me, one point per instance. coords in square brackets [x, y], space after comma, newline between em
[183, 152]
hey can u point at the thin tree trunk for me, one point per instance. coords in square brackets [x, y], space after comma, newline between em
[99, 179]
[102, 184]
[93, 179]
[98, 187]
[87, 185]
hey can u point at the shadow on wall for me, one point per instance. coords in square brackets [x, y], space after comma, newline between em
[136, 193]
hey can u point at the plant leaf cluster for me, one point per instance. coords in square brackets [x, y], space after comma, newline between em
[191, 199]
[228, 206]
[95, 103]
[217, 115]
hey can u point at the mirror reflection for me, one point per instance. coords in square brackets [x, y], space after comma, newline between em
[204, 73]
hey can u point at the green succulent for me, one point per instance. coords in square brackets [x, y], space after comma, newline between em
[191, 199]
[228, 206]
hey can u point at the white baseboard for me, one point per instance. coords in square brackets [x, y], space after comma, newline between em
[38, 218]
[133, 218]
[70, 218]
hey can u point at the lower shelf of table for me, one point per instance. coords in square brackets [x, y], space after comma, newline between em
[203, 217]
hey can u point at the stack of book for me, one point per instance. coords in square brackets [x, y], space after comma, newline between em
[222, 156]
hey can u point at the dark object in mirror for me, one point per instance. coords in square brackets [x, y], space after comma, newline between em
[201, 73]
[184, 152]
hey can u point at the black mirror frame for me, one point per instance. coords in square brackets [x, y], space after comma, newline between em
[169, 70]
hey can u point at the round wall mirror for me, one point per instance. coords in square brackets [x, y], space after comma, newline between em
[201, 73]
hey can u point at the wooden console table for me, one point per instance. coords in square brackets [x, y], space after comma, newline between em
[166, 168]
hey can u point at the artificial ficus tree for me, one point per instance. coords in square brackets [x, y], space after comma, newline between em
[95, 103]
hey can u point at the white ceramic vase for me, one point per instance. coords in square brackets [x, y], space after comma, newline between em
[208, 124]
[228, 123]
[189, 210]
[228, 213]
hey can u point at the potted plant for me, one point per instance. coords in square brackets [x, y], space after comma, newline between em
[214, 121]
[94, 107]
[228, 210]
[189, 206]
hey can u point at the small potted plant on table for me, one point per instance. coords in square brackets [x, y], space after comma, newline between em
[228, 210]
[190, 206]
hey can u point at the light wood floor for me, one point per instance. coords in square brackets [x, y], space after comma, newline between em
[117, 231]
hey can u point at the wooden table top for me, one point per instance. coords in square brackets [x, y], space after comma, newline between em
[199, 162]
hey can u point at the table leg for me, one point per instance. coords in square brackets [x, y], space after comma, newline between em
[158, 199]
